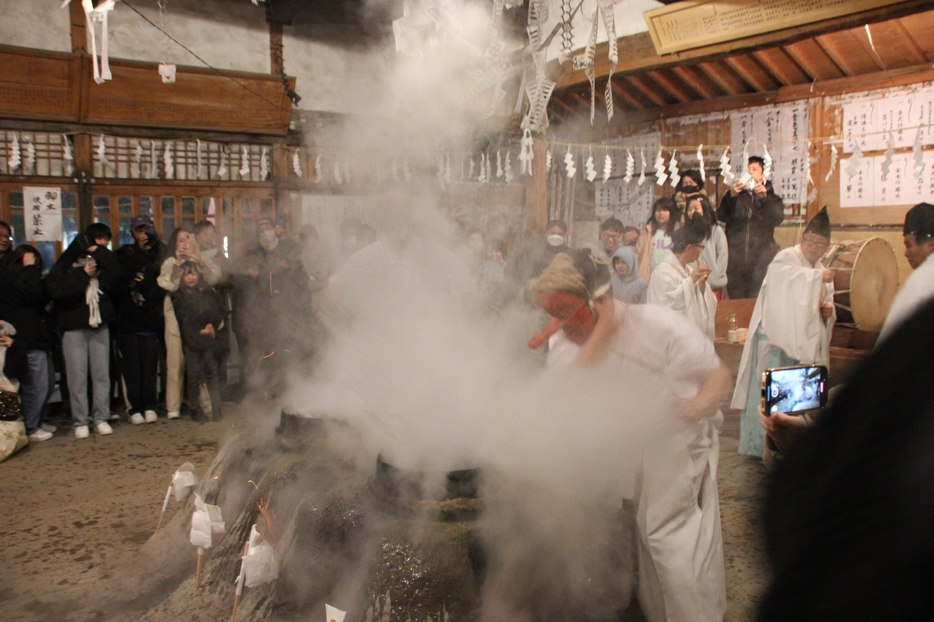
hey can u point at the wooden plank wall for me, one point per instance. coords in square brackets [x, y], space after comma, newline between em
[46, 86]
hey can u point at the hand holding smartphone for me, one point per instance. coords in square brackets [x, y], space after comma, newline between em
[794, 389]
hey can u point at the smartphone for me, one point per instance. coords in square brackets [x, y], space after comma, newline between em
[794, 389]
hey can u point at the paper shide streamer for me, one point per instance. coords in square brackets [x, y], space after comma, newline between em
[856, 159]
[168, 161]
[834, 154]
[297, 162]
[569, 167]
[660, 175]
[725, 168]
[607, 166]
[700, 162]
[673, 170]
[630, 167]
[642, 173]
[68, 159]
[319, 174]
[591, 171]
[244, 162]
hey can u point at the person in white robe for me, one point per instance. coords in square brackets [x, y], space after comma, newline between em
[919, 251]
[681, 572]
[791, 324]
[678, 286]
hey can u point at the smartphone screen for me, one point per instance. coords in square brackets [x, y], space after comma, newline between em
[794, 389]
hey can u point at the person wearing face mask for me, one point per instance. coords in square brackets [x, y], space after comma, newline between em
[791, 324]
[750, 210]
[690, 184]
[680, 557]
[544, 251]
[676, 285]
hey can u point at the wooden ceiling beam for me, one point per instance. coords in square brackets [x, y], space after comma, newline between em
[629, 97]
[747, 71]
[639, 82]
[637, 52]
[692, 80]
[721, 76]
[804, 63]
[782, 66]
[909, 41]
[860, 35]
[668, 84]
[829, 48]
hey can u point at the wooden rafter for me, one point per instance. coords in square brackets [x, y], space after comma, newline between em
[630, 99]
[637, 53]
[863, 39]
[692, 80]
[804, 63]
[831, 50]
[909, 41]
[722, 77]
[669, 85]
[640, 83]
[748, 71]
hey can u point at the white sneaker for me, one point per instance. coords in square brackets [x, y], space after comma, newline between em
[103, 428]
[39, 435]
[173, 414]
[151, 416]
[114, 417]
[48, 428]
[137, 419]
[81, 431]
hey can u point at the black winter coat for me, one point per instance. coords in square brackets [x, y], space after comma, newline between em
[750, 225]
[139, 303]
[22, 303]
[67, 285]
[195, 308]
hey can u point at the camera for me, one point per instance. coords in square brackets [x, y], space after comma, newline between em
[751, 184]
[794, 389]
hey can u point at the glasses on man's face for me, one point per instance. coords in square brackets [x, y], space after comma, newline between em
[814, 242]
[612, 235]
[699, 246]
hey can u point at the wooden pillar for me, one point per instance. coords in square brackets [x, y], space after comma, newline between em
[536, 188]
[276, 62]
[84, 169]
[79, 29]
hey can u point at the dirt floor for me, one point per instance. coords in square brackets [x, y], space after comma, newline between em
[77, 514]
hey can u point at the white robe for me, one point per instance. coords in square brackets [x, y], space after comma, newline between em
[918, 289]
[678, 507]
[788, 309]
[671, 286]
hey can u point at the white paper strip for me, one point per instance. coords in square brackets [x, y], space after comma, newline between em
[591, 170]
[15, 158]
[29, 160]
[199, 163]
[319, 174]
[833, 162]
[297, 163]
[700, 162]
[333, 614]
[607, 167]
[184, 481]
[660, 175]
[725, 169]
[673, 169]
[630, 167]
[244, 162]
[642, 173]
[168, 161]
[569, 167]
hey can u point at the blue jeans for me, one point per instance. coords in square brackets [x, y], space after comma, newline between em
[82, 348]
[36, 387]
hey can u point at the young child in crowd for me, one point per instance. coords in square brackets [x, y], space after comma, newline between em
[200, 314]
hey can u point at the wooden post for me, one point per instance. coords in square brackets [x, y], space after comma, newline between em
[84, 169]
[536, 188]
[79, 29]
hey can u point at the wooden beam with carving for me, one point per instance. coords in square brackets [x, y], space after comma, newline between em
[40, 85]
[637, 53]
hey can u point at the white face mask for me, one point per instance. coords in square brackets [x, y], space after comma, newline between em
[267, 238]
[555, 239]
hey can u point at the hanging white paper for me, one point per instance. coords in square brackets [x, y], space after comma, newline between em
[660, 175]
[630, 166]
[244, 162]
[167, 160]
[673, 170]
[642, 173]
[507, 168]
[607, 167]
[259, 564]
[766, 164]
[591, 170]
[319, 173]
[42, 209]
[68, 159]
[199, 159]
[700, 162]
[29, 160]
[15, 158]
[569, 167]
[725, 168]
[297, 163]
[264, 164]
[499, 164]
[833, 162]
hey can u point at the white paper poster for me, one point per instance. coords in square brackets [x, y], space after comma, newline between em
[783, 130]
[43, 214]
[891, 189]
[861, 121]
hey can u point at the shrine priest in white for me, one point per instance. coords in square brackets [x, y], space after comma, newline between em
[791, 324]
[919, 251]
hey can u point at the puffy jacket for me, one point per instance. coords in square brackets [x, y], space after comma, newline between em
[67, 285]
[139, 302]
[22, 303]
[750, 225]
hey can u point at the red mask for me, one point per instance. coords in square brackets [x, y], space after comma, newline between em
[570, 313]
